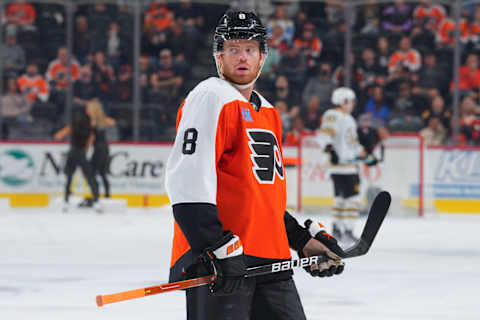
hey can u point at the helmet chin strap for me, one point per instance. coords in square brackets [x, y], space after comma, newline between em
[237, 85]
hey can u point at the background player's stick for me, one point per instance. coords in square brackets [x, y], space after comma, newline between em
[377, 214]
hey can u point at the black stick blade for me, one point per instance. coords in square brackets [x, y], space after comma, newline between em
[376, 215]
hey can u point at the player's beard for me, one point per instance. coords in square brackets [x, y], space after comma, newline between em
[231, 77]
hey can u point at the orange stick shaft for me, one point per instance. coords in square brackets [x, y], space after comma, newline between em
[140, 293]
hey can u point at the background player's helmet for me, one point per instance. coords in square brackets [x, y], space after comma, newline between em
[239, 25]
[343, 95]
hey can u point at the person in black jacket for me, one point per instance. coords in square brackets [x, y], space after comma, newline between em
[101, 153]
[80, 131]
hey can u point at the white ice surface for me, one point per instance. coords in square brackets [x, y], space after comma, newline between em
[52, 265]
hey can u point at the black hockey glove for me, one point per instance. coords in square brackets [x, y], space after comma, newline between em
[322, 243]
[225, 259]
[370, 160]
[333, 154]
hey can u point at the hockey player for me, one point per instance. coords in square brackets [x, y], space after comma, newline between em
[225, 178]
[338, 137]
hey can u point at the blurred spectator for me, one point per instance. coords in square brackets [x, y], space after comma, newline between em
[190, 16]
[469, 75]
[406, 110]
[383, 53]
[368, 134]
[57, 70]
[377, 106]
[434, 134]
[281, 19]
[397, 18]
[158, 17]
[293, 66]
[369, 69]
[469, 122]
[145, 75]
[264, 9]
[12, 56]
[334, 13]
[82, 42]
[368, 20]
[276, 41]
[429, 15]
[446, 32]
[115, 45]
[320, 86]
[282, 93]
[295, 134]
[103, 77]
[33, 85]
[309, 45]
[431, 75]
[299, 22]
[167, 79]
[311, 113]
[422, 39]
[405, 58]
[83, 89]
[124, 84]
[124, 18]
[21, 14]
[183, 46]
[282, 109]
[15, 105]
[100, 18]
[338, 76]
[437, 109]
[474, 29]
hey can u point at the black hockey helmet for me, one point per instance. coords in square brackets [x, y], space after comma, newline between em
[239, 25]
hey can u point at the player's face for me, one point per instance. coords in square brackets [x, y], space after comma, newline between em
[240, 60]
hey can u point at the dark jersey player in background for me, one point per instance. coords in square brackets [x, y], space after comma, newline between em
[80, 131]
[225, 178]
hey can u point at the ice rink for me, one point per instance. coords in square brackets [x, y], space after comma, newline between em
[52, 265]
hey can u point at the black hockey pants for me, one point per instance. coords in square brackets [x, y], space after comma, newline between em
[256, 301]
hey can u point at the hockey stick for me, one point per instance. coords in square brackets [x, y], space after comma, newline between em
[377, 214]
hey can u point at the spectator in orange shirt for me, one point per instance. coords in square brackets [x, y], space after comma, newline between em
[309, 45]
[429, 15]
[469, 75]
[58, 78]
[57, 70]
[298, 129]
[158, 17]
[405, 58]
[21, 14]
[33, 85]
[446, 32]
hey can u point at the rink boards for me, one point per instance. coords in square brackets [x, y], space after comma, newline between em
[31, 174]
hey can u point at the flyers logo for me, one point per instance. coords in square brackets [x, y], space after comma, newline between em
[266, 157]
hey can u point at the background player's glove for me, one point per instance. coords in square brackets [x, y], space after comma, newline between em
[370, 160]
[333, 154]
[322, 243]
[225, 259]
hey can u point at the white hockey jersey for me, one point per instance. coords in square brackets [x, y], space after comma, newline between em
[340, 130]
